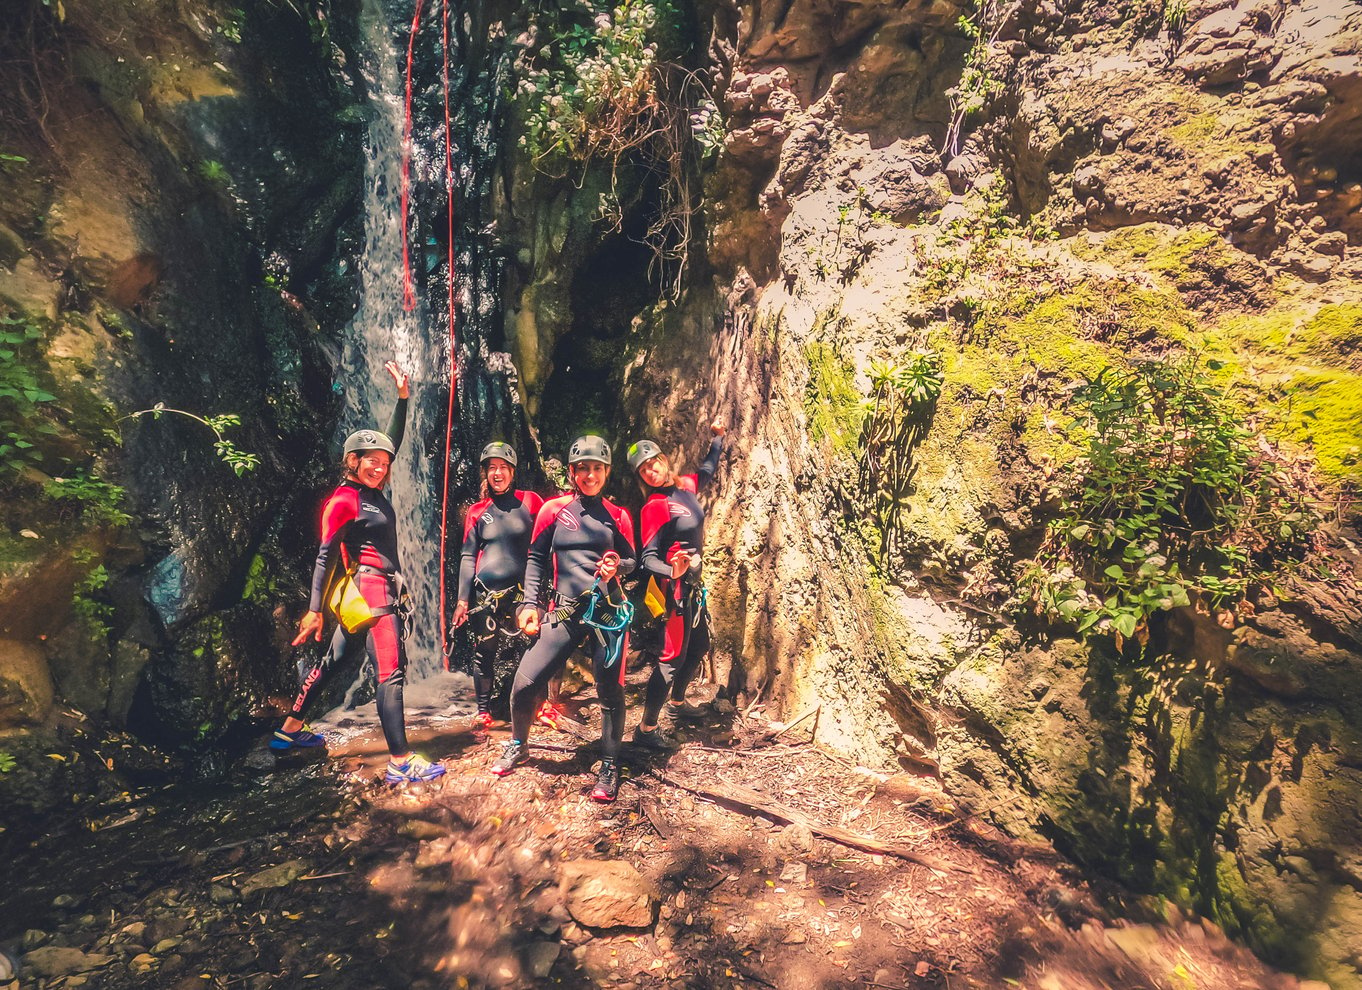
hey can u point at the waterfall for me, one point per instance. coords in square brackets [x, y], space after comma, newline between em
[381, 330]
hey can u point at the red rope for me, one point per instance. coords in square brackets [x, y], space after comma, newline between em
[408, 292]
[453, 339]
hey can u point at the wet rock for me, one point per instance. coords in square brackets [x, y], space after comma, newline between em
[417, 828]
[274, 877]
[608, 894]
[165, 945]
[142, 964]
[33, 938]
[538, 958]
[222, 894]
[66, 901]
[54, 960]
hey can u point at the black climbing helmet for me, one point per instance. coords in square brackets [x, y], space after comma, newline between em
[642, 451]
[589, 448]
[497, 449]
[362, 440]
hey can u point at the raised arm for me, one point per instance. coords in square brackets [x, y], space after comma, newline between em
[397, 423]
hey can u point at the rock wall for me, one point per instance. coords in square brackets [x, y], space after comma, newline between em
[178, 208]
[1140, 180]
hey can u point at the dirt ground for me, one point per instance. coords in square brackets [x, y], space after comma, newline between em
[310, 873]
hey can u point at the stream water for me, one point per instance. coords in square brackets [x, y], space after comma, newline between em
[384, 330]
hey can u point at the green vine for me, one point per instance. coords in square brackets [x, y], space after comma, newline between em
[1174, 503]
[240, 461]
[977, 85]
[602, 83]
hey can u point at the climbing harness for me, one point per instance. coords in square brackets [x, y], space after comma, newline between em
[610, 620]
[490, 605]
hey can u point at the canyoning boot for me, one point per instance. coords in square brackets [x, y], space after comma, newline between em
[607, 782]
[304, 738]
[658, 740]
[414, 770]
[550, 715]
[512, 755]
[689, 712]
[482, 721]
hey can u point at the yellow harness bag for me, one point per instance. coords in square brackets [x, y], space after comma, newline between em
[349, 606]
[654, 598]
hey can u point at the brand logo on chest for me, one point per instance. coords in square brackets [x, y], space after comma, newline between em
[678, 511]
[366, 507]
[567, 520]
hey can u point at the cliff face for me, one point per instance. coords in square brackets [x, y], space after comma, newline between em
[1136, 181]
[177, 203]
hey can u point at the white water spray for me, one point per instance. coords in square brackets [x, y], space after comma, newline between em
[383, 331]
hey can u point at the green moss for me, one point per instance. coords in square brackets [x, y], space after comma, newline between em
[1197, 130]
[1335, 332]
[1325, 412]
[834, 406]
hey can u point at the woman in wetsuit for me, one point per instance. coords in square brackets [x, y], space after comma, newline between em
[359, 536]
[672, 531]
[496, 540]
[580, 544]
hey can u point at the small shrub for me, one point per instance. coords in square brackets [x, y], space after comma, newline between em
[1175, 502]
[21, 393]
[99, 501]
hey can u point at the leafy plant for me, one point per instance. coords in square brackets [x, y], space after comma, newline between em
[240, 461]
[8, 161]
[99, 500]
[21, 393]
[902, 400]
[230, 23]
[1175, 25]
[214, 172]
[1176, 502]
[87, 602]
[6, 762]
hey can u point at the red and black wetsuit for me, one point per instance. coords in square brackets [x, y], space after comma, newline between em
[672, 520]
[572, 533]
[496, 542]
[359, 526]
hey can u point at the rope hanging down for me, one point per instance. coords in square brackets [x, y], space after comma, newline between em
[453, 338]
[408, 291]
[408, 287]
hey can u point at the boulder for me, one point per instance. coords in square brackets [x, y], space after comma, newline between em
[58, 960]
[608, 894]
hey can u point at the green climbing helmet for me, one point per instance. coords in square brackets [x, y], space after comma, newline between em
[497, 449]
[589, 448]
[362, 440]
[642, 451]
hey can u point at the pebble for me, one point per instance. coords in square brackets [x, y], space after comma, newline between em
[219, 894]
[143, 963]
[165, 945]
[65, 901]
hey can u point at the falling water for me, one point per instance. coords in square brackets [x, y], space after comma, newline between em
[382, 331]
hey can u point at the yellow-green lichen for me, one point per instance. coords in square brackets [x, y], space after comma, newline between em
[834, 406]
